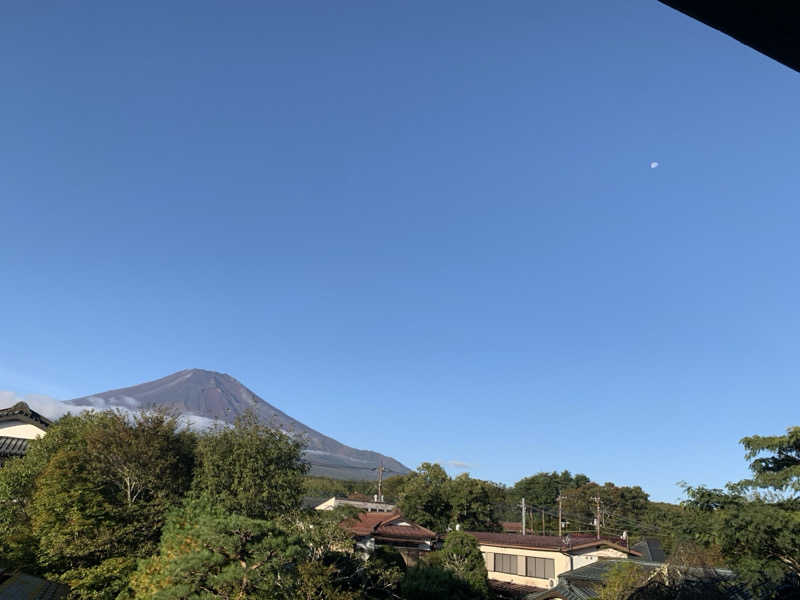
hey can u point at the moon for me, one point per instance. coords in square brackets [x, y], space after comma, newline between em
[654, 164]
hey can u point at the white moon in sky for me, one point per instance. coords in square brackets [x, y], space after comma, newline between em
[653, 165]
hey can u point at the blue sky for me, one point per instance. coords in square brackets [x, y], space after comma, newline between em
[428, 229]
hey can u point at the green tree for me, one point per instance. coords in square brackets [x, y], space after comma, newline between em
[621, 581]
[540, 490]
[18, 478]
[100, 501]
[423, 498]
[429, 582]
[250, 469]
[756, 522]
[462, 556]
[472, 503]
[621, 507]
[780, 469]
[207, 552]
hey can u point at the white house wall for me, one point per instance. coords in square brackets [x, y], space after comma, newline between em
[20, 429]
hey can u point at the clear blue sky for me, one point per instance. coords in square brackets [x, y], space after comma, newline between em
[428, 229]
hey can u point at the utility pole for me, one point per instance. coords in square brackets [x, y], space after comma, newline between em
[380, 482]
[523, 516]
[542, 521]
[597, 515]
[560, 498]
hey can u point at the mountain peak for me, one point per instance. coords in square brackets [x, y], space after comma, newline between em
[215, 395]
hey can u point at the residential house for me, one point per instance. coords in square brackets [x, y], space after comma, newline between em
[373, 529]
[586, 582]
[18, 425]
[361, 502]
[537, 561]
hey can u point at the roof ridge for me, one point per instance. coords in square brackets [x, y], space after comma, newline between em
[22, 409]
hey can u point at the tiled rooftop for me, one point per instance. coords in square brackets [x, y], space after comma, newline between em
[387, 525]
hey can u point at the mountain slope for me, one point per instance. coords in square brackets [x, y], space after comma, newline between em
[219, 396]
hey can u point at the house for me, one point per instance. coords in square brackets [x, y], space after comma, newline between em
[373, 529]
[537, 561]
[18, 425]
[361, 502]
[585, 583]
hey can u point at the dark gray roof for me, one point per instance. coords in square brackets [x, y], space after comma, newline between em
[507, 590]
[584, 582]
[18, 586]
[650, 549]
[594, 572]
[22, 412]
[10, 446]
[313, 501]
[568, 591]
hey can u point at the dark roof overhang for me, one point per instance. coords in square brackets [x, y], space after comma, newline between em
[772, 28]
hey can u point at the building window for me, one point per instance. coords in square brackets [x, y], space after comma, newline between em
[544, 568]
[505, 563]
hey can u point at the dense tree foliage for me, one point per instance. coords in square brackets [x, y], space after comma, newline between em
[455, 572]
[432, 499]
[622, 508]
[250, 469]
[543, 489]
[461, 556]
[423, 498]
[780, 469]
[756, 522]
[473, 503]
[208, 552]
[123, 506]
[93, 495]
[426, 582]
[621, 581]
[18, 483]
[325, 487]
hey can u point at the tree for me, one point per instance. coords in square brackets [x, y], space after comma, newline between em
[472, 503]
[780, 469]
[621, 581]
[99, 501]
[433, 500]
[462, 556]
[207, 552]
[425, 582]
[541, 490]
[423, 497]
[250, 469]
[622, 507]
[756, 522]
[17, 484]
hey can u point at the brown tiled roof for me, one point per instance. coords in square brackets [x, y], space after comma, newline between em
[386, 525]
[22, 412]
[547, 542]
